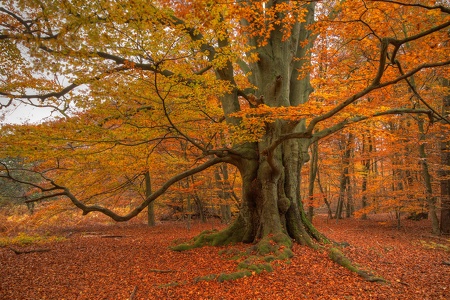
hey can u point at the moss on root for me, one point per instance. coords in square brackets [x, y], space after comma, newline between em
[181, 247]
[273, 247]
[255, 268]
[234, 276]
[337, 256]
[208, 238]
[209, 277]
[321, 238]
[257, 259]
[273, 244]
[230, 235]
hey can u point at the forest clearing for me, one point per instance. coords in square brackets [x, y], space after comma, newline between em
[133, 261]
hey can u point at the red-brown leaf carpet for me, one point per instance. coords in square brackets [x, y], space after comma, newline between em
[132, 261]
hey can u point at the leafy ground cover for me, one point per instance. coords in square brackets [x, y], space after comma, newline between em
[132, 261]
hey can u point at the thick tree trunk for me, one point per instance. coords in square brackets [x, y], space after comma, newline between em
[271, 213]
[271, 205]
[271, 200]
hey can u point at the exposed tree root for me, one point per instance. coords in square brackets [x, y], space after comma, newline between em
[227, 236]
[160, 271]
[113, 236]
[133, 293]
[257, 259]
[28, 251]
[270, 248]
[337, 256]
[313, 232]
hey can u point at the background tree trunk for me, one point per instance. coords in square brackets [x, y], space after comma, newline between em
[431, 200]
[313, 166]
[344, 181]
[150, 208]
[367, 150]
[223, 188]
[445, 171]
[324, 196]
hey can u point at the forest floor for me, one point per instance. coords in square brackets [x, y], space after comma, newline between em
[132, 261]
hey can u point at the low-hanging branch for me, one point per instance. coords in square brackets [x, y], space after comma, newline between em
[87, 209]
[64, 191]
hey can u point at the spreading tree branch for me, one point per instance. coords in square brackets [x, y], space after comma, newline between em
[64, 191]
[367, 90]
[416, 93]
[87, 209]
[397, 111]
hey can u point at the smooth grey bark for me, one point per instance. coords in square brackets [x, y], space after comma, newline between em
[271, 194]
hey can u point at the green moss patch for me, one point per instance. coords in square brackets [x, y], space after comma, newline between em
[337, 256]
[23, 239]
[209, 277]
[256, 268]
[234, 276]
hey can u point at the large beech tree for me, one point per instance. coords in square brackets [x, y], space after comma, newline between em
[230, 79]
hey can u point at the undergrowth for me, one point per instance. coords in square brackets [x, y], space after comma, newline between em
[24, 239]
[435, 246]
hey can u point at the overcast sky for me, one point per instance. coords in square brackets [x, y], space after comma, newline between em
[25, 113]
